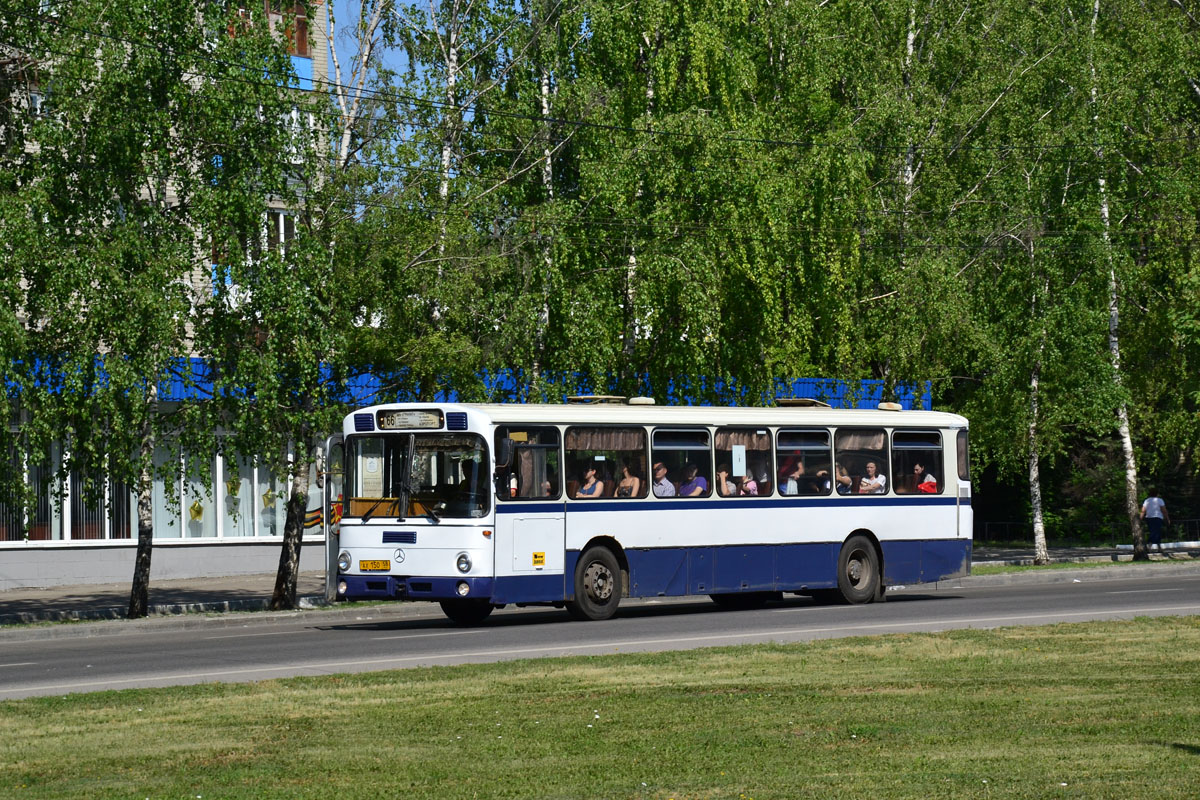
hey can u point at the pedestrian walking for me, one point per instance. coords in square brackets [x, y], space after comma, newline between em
[1154, 511]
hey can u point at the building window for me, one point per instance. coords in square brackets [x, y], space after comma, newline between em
[281, 229]
[291, 20]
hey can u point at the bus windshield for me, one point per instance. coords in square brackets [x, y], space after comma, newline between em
[433, 475]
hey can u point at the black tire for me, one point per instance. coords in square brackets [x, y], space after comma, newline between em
[467, 612]
[743, 601]
[859, 577]
[598, 586]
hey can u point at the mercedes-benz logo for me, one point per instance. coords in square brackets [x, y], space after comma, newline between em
[399, 555]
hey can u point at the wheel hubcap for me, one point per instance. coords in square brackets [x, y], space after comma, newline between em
[598, 582]
[856, 569]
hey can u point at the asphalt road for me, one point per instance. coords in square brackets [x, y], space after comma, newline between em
[233, 648]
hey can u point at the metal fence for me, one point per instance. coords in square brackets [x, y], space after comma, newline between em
[1083, 535]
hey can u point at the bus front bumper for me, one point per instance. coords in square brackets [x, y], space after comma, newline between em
[392, 587]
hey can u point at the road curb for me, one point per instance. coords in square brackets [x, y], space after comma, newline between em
[160, 610]
[1067, 575]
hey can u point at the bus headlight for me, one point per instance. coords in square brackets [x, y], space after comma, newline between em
[343, 561]
[464, 563]
[463, 589]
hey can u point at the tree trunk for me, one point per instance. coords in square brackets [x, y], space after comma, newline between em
[1040, 554]
[539, 347]
[139, 593]
[284, 596]
[1114, 342]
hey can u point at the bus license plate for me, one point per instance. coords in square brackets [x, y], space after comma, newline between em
[367, 566]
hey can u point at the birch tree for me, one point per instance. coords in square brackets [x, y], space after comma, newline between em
[112, 252]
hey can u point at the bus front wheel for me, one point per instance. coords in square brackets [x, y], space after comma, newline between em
[597, 585]
[858, 570]
[467, 612]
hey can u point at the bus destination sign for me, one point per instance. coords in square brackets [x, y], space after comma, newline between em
[401, 420]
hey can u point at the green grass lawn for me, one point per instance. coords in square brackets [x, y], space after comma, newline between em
[996, 569]
[1104, 710]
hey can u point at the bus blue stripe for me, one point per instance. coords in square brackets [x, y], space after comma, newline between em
[713, 504]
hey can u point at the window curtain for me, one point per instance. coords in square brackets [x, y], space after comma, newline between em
[606, 439]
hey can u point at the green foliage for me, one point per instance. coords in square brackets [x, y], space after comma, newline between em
[707, 196]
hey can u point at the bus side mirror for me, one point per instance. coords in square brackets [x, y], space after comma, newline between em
[504, 453]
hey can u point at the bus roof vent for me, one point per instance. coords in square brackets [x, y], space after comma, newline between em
[596, 398]
[456, 421]
[890, 407]
[640, 401]
[800, 402]
[363, 423]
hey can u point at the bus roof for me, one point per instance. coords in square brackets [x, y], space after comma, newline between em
[698, 416]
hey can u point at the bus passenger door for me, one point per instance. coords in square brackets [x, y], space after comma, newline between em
[530, 552]
[530, 517]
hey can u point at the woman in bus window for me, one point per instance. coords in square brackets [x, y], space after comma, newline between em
[631, 484]
[873, 482]
[694, 485]
[747, 486]
[926, 483]
[591, 487]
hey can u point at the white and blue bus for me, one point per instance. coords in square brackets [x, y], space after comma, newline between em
[583, 504]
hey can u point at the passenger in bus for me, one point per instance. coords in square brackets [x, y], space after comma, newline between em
[873, 482]
[798, 482]
[592, 487]
[662, 486]
[789, 476]
[925, 482]
[725, 486]
[747, 486]
[694, 484]
[631, 484]
[844, 481]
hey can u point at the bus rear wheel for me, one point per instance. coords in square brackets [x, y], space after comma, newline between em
[467, 612]
[858, 570]
[597, 585]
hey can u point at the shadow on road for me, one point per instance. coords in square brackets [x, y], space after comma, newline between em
[513, 617]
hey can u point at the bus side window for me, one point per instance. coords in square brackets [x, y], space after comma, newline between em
[744, 454]
[861, 461]
[688, 459]
[917, 462]
[606, 462]
[964, 457]
[804, 464]
[535, 472]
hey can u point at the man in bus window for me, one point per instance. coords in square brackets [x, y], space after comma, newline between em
[662, 486]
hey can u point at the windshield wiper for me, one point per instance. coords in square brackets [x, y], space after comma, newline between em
[371, 510]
